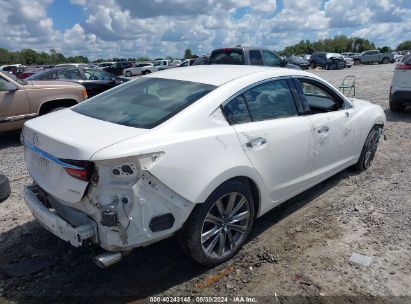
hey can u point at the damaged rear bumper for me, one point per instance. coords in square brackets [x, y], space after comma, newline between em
[54, 223]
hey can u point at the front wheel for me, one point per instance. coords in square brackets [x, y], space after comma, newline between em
[369, 149]
[385, 61]
[217, 229]
[357, 62]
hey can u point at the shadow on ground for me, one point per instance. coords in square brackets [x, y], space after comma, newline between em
[8, 140]
[145, 272]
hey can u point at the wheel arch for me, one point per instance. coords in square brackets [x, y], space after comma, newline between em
[46, 106]
[251, 181]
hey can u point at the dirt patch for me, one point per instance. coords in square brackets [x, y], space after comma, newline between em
[300, 249]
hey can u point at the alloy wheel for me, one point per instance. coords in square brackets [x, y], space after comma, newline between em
[225, 225]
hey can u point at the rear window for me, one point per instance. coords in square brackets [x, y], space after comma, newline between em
[227, 56]
[145, 102]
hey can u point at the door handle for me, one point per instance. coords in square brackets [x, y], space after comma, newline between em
[323, 129]
[256, 141]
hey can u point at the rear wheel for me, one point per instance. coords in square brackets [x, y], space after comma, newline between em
[128, 74]
[313, 66]
[357, 62]
[396, 107]
[369, 149]
[217, 229]
[385, 61]
[145, 72]
[4, 188]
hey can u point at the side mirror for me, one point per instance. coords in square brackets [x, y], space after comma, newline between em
[8, 87]
[283, 62]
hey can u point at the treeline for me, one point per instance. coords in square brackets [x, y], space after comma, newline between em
[29, 56]
[339, 44]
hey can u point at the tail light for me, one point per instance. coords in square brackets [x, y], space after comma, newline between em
[403, 66]
[79, 169]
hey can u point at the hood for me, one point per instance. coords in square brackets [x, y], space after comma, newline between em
[68, 135]
[41, 84]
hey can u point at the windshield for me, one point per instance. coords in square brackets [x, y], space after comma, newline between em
[145, 102]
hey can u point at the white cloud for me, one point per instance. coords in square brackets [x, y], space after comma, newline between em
[129, 28]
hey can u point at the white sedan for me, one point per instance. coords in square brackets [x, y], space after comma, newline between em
[200, 152]
[139, 69]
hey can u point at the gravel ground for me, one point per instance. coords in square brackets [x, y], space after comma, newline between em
[299, 252]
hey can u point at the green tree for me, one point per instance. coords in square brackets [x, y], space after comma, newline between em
[143, 58]
[404, 46]
[188, 54]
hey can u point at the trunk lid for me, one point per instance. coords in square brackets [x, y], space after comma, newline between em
[68, 135]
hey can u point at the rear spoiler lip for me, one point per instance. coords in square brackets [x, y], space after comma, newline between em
[48, 156]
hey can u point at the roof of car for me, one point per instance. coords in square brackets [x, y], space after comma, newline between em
[219, 74]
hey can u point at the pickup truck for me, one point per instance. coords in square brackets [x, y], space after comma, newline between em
[21, 100]
[373, 57]
[158, 65]
[249, 56]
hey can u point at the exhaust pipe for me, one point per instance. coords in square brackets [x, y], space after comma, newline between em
[107, 259]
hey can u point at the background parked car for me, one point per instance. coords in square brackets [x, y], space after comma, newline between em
[94, 80]
[327, 61]
[202, 60]
[373, 56]
[400, 92]
[249, 56]
[300, 61]
[118, 67]
[103, 65]
[21, 100]
[137, 69]
[187, 62]
[349, 61]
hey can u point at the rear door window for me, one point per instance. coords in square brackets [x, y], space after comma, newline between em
[227, 56]
[270, 100]
[236, 111]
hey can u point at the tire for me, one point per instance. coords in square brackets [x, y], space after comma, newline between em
[128, 74]
[396, 107]
[369, 149]
[145, 72]
[357, 62]
[327, 66]
[5, 189]
[385, 60]
[313, 66]
[210, 236]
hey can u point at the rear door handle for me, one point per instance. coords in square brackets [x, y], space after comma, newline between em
[256, 141]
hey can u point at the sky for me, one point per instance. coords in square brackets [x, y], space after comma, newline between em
[158, 28]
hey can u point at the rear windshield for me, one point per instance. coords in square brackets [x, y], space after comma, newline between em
[227, 56]
[145, 102]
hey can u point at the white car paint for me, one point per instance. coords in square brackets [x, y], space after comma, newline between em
[400, 91]
[137, 70]
[180, 162]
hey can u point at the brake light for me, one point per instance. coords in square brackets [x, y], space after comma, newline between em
[226, 49]
[84, 93]
[79, 169]
[403, 66]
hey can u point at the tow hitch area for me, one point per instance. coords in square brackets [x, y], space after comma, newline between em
[51, 221]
